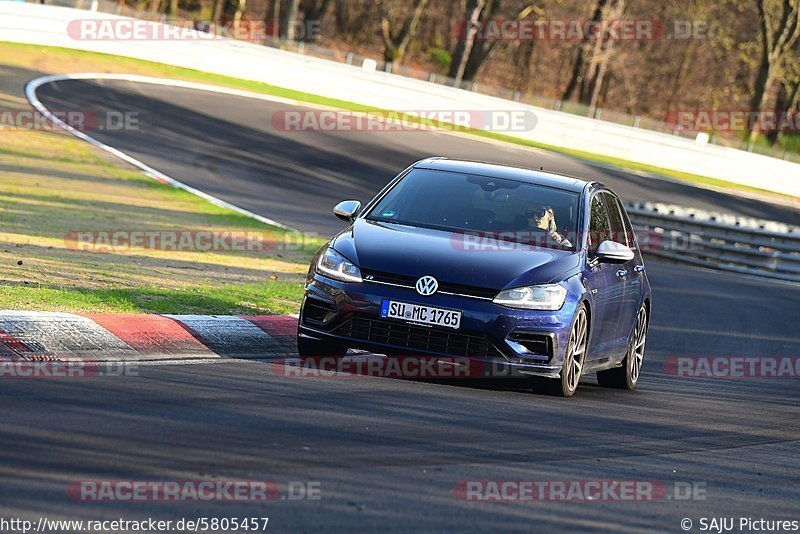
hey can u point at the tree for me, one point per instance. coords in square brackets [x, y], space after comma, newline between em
[396, 40]
[779, 29]
[230, 11]
[583, 51]
[594, 55]
[466, 40]
[342, 16]
[288, 19]
[241, 7]
[216, 10]
[314, 9]
[471, 53]
[271, 17]
[601, 57]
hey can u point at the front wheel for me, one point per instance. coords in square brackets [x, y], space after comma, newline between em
[316, 348]
[627, 376]
[574, 357]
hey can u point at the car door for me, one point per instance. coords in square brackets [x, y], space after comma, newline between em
[605, 285]
[632, 275]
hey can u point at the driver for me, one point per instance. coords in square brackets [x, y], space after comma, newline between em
[542, 217]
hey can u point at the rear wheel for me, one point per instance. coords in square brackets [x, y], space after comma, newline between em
[574, 357]
[627, 376]
[315, 348]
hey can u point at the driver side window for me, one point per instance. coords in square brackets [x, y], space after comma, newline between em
[599, 224]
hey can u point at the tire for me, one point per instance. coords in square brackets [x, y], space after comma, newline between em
[626, 376]
[314, 348]
[574, 358]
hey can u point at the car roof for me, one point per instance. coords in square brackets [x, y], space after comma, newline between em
[541, 177]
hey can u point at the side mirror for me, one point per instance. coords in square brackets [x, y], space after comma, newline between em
[613, 252]
[347, 210]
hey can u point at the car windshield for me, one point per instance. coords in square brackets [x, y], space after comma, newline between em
[511, 210]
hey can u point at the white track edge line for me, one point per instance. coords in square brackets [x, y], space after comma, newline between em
[30, 92]
[137, 78]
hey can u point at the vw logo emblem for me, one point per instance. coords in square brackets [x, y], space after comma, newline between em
[427, 285]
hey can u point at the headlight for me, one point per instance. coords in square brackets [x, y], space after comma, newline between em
[546, 297]
[333, 264]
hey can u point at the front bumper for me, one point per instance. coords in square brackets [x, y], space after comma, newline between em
[531, 342]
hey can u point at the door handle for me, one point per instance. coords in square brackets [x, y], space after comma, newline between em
[639, 268]
[622, 273]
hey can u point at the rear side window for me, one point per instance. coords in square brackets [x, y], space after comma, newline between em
[599, 224]
[620, 231]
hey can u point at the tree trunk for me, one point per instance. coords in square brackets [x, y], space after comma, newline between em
[794, 100]
[219, 5]
[782, 101]
[396, 43]
[602, 51]
[289, 19]
[763, 73]
[482, 49]
[576, 79]
[271, 18]
[477, 58]
[522, 64]
[677, 82]
[466, 41]
[313, 11]
[777, 39]
[342, 16]
[241, 7]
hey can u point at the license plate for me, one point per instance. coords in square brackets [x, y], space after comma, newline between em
[418, 313]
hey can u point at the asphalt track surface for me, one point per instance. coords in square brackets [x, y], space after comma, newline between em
[227, 146]
[388, 453]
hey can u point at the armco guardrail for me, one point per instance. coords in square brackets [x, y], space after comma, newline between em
[47, 25]
[720, 241]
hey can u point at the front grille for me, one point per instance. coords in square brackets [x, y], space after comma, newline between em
[417, 337]
[410, 282]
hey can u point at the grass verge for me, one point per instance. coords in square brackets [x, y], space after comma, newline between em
[54, 186]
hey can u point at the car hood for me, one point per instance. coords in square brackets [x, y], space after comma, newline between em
[450, 257]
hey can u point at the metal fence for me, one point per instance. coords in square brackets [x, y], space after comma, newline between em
[726, 242]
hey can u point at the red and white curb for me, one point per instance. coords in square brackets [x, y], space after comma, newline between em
[45, 336]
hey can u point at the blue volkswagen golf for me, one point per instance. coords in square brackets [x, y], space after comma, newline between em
[528, 270]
